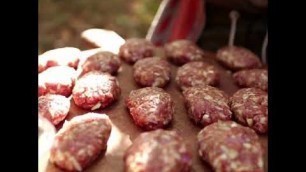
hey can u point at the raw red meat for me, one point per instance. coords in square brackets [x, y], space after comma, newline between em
[102, 61]
[158, 151]
[197, 74]
[250, 108]
[151, 107]
[257, 78]
[56, 80]
[180, 52]
[53, 107]
[135, 49]
[206, 104]
[67, 56]
[96, 90]
[79, 142]
[152, 71]
[237, 58]
[228, 147]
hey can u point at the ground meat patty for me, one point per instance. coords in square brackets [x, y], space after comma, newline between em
[257, 78]
[96, 90]
[56, 80]
[79, 142]
[206, 104]
[197, 74]
[158, 151]
[153, 71]
[237, 58]
[68, 56]
[250, 107]
[102, 61]
[151, 107]
[135, 49]
[182, 51]
[228, 146]
[53, 107]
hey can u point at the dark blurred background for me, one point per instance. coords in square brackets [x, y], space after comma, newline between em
[250, 31]
[62, 21]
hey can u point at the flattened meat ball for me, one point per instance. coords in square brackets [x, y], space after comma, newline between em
[180, 52]
[197, 74]
[56, 80]
[151, 107]
[206, 104]
[135, 49]
[250, 107]
[67, 56]
[257, 78]
[102, 61]
[80, 141]
[152, 71]
[96, 90]
[238, 58]
[158, 151]
[230, 147]
[53, 107]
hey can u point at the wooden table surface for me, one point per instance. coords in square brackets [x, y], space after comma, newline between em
[124, 131]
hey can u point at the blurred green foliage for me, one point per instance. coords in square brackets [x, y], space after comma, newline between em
[62, 21]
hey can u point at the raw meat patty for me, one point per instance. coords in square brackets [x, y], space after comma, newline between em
[250, 107]
[67, 56]
[158, 151]
[238, 58]
[56, 80]
[197, 74]
[135, 49]
[53, 107]
[228, 147]
[80, 141]
[257, 78]
[96, 90]
[102, 61]
[151, 107]
[206, 104]
[152, 71]
[180, 52]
